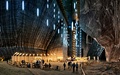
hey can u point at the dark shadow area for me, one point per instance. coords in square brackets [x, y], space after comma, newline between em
[102, 56]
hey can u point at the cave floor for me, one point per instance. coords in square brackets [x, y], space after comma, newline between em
[90, 68]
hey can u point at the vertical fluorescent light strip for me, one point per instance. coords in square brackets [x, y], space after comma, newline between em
[54, 27]
[47, 5]
[54, 4]
[47, 22]
[74, 5]
[75, 10]
[54, 10]
[58, 14]
[54, 15]
[23, 5]
[37, 11]
[7, 5]
[75, 36]
[72, 26]
[58, 31]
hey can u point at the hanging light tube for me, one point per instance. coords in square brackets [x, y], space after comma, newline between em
[23, 5]
[54, 27]
[37, 12]
[7, 5]
[47, 22]
[58, 31]
[72, 26]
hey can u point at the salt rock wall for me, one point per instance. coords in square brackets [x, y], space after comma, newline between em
[101, 20]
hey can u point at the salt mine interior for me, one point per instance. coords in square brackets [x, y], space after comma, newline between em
[86, 32]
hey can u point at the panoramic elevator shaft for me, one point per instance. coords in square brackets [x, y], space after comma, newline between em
[75, 34]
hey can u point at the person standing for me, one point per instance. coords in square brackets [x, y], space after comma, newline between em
[49, 65]
[73, 66]
[76, 67]
[69, 65]
[64, 65]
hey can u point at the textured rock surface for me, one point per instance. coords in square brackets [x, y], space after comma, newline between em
[102, 68]
[100, 19]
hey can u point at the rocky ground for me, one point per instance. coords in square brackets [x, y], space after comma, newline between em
[6, 69]
[102, 68]
[90, 68]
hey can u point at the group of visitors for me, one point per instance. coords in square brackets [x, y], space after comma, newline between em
[73, 65]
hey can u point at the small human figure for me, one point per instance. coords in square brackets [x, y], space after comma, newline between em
[57, 68]
[76, 67]
[64, 65]
[49, 65]
[69, 65]
[43, 61]
[73, 66]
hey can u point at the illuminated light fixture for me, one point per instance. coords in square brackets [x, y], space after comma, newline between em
[64, 24]
[54, 27]
[54, 10]
[76, 14]
[7, 5]
[58, 14]
[47, 5]
[47, 22]
[72, 26]
[23, 5]
[54, 4]
[58, 17]
[58, 31]
[19, 53]
[74, 5]
[75, 36]
[75, 10]
[23, 54]
[54, 15]
[37, 11]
